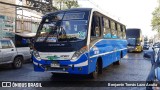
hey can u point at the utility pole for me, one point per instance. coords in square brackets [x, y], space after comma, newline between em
[60, 5]
[22, 21]
[15, 19]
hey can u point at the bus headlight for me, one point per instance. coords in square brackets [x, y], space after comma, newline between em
[36, 55]
[79, 53]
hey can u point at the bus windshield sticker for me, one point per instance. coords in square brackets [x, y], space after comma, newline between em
[40, 39]
[52, 39]
[81, 34]
[75, 27]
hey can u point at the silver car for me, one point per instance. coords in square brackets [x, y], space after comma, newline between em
[10, 54]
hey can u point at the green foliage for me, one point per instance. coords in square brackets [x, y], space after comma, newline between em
[71, 3]
[66, 4]
[156, 19]
[145, 38]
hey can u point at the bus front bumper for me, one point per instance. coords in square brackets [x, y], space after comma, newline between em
[136, 49]
[60, 66]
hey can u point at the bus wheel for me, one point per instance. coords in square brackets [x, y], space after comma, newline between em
[55, 74]
[116, 63]
[94, 74]
[141, 50]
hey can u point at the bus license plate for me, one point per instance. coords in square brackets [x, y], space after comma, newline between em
[55, 65]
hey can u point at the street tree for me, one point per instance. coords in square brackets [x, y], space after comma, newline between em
[145, 38]
[45, 6]
[71, 3]
[156, 20]
[42, 6]
[66, 4]
[58, 4]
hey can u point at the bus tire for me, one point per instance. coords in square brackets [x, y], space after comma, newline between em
[121, 54]
[116, 63]
[98, 69]
[94, 74]
[56, 74]
[141, 50]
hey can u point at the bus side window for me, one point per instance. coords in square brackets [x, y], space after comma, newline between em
[124, 32]
[113, 29]
[116, 30]
[119, 30]
[95, 26]
[106, 28]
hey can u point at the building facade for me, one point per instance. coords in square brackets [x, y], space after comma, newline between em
[12, 21]
[7, 19]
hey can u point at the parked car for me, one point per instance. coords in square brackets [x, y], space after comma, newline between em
[146, 46]
[10, 54]
[155, 45]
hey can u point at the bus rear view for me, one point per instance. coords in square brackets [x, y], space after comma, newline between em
[134, 38]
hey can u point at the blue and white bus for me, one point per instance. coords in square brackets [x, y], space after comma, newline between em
[78, 41]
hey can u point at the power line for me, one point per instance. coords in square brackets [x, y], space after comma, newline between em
[96, 5]
[35, 5]
[93, 3]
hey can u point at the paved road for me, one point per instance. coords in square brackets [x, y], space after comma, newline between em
[132, 68]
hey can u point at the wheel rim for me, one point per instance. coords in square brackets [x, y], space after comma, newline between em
[18, 62]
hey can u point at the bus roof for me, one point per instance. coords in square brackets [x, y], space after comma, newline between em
[133, 29]
[72, 9]
[83, 9]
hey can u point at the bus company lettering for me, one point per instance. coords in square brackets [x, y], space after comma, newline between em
[96, 50]
[22, 84]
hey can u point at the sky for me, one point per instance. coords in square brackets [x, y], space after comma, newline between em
[132, 13]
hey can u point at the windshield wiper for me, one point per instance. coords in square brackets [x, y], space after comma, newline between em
[74, 38]
[69, 39]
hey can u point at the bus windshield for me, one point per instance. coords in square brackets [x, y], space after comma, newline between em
[63, 27]
[133, 33]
